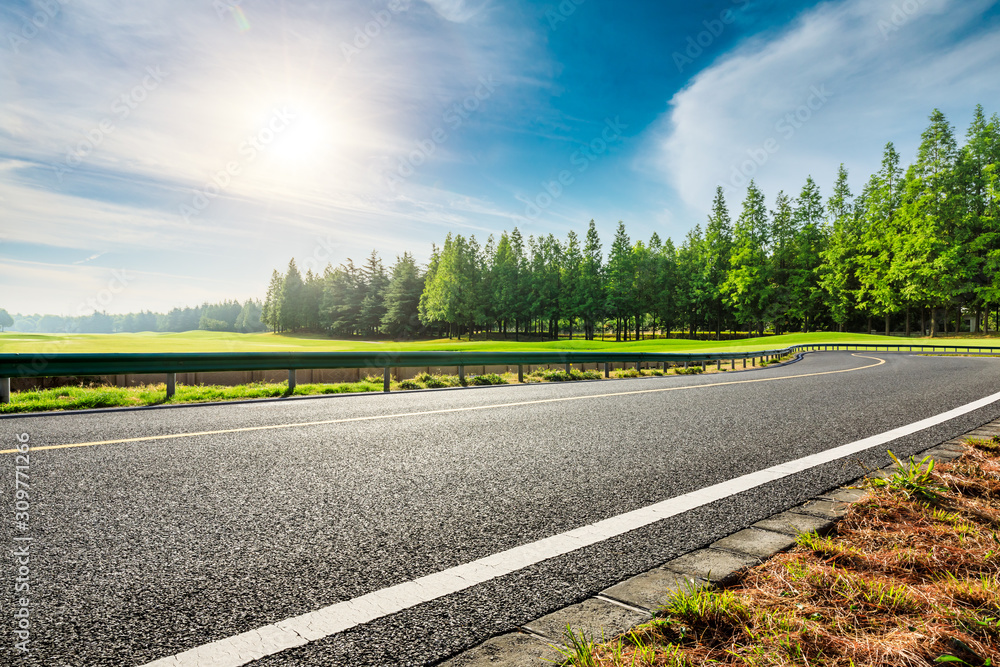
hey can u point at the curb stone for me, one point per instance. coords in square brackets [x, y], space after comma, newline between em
[635, 600]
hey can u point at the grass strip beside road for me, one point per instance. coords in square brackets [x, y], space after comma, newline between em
[94, 396]
[912, 577]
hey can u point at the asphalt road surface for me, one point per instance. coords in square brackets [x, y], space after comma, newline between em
[245, 515]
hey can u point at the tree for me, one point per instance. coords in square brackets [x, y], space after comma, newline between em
[620, 276]
[375, 281]
[592, 287]
[271, 311]
[402, 299]
[717, 253]
[5, 319]
[748, 287]
[571, 278]
[780, 309]
[837, 272]
[808, 246]
[933, 245]
[292, 314]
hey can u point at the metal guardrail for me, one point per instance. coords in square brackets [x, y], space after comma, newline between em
[55, 365]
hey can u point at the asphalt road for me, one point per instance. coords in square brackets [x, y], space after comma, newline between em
[141, 550]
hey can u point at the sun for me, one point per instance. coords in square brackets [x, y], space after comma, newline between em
[301, 139]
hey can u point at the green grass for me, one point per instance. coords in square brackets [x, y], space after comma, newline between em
[208, 341]
[89, 397]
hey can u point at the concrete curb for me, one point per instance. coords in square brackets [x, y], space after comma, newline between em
[634, 601]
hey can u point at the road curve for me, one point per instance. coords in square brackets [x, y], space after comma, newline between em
[239, 516]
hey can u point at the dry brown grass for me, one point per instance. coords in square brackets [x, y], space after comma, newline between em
[911, 578]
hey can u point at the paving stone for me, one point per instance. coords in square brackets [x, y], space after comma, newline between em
[511, 650]
[941, 454]
[650, 590]
[597, 619]
[827, 509]
[718, 567]
[755, 542]
[793, 523]
[845, 495]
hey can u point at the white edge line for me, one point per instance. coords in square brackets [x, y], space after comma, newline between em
[299, 630]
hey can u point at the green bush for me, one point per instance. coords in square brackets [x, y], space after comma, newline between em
[410, 384]
[629, 373]
[488, 379]
[691, 370]
[439, 381]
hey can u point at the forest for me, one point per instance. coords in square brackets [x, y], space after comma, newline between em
[917, 250]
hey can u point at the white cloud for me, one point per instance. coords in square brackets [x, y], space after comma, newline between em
[457, 11]
[873, 72]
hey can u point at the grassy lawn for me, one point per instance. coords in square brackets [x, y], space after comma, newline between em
[207, 341]
[912, 577]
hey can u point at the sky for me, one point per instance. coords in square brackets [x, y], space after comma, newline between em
[164, 153]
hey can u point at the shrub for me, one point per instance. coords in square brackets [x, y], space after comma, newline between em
[488, 379]
[410, 384]
[692, 370]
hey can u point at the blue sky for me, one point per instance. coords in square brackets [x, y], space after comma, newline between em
[166, 153]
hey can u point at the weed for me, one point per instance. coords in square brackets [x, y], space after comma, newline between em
[410, 384]
[911, 479]
[489, 379]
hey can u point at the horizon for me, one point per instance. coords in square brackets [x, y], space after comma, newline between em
[183, 155]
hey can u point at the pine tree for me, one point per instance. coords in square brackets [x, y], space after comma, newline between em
[271, 312]
[809, 244]
[402, 299]
[592, 286]
[748, 287]
[620, 273]
[837, 272]
[718, 251]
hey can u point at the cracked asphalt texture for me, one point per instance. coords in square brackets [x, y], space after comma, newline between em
[143, 550]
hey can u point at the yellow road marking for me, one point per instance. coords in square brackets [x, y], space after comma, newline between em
[346, 420]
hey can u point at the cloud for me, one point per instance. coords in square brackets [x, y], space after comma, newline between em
[834, 86]
[457, 11]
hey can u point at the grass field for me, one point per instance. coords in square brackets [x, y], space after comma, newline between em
[208, 341]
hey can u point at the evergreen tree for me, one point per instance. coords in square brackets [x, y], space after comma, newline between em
[809, 244]
[373, 302]
[837, 273]
[402, 299]
[271, 311]
[592, 287]
[718, 251]
[748, 287]
[620, 276]
[292, 314]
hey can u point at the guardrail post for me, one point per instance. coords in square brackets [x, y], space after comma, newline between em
[718, 364]
[461, 375]
[4, 390]
[702, 364]
[732, 364]
[607, 369]
[638, 365]
[567, 369]
[744, 362]
[663, 366]
[291, 380]
[171, 384]
[520, 373]
[386, 379]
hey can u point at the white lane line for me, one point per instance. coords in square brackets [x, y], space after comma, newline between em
[292, 632]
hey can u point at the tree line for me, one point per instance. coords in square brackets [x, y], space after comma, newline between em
[920, 243]
[222, 316]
